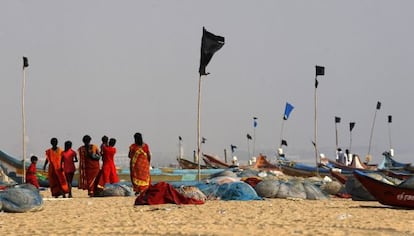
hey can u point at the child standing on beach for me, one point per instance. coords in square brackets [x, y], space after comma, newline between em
[69, 158]
[31, 177]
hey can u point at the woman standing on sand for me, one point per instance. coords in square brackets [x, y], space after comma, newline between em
[55, 174]
[88, 165]
[69, 157]
[108, 172]
[140, 158]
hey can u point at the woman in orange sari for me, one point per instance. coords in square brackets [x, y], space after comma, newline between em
[140, 158]
[88, 165]
[56, 176]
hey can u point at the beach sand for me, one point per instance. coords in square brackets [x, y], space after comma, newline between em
[83, 215]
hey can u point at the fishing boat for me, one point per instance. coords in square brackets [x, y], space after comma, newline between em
[356, 164]
[387, 192]
[187, 164]
[263, 164]
[214, 162]
[298, 169]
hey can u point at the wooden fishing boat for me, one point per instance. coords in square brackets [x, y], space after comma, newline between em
[356, 164]
[263, 164]
[187, 164]
[215, 162]
[298, 169]
[389, 163]
[385, 192]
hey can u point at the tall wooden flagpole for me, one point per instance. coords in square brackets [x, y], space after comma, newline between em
[319, 70]
[368, 157]
[199, 128]
[25, 65]
[210, 44]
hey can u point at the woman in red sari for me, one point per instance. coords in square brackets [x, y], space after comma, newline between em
[56, 176]
[140, 159]
[69, 157]
[108, 172]
[88, 165]
[31, 177]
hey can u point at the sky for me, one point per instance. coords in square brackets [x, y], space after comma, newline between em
[119, 67]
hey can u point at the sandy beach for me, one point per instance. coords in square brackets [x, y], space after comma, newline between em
[82, 215]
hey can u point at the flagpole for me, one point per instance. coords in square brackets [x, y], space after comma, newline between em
[389, 131]
[199, 128]
[281, 133]
[316, 128]
[248, 145]
[372, 131]
[336, 135]
[24, 123]
[350, 141]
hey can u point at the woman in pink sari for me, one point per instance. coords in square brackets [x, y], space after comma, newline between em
[140, 159]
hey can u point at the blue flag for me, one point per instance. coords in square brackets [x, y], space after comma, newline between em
[254, 122]
[288, 109]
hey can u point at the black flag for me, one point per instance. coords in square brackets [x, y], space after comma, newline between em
[203, 140]
[351, 126]
[249, 137]
[320, 70]
[337, 119]
[389, 119]
[283, 143]
[233, 147]
[378, 105]
[210, 44]
[25, 62]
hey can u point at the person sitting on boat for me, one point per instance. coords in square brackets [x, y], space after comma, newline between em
[340, 156]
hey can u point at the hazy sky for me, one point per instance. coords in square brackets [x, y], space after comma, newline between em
[119, 67]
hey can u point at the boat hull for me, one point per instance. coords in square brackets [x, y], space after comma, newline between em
[386, 194]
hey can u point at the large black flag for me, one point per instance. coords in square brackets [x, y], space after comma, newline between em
[25, 62]
[210, 44]
[389, 119]
[283, 142]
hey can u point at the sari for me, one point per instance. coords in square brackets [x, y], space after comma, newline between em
[31, 177]
[56, 176]
[88, 168]
[108, 172]
[139, 167]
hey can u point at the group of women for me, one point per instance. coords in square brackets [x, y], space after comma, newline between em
[91, 176]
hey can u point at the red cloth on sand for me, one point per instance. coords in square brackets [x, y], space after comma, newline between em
[163, 193]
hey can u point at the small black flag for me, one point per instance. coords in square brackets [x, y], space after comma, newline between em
[179, 138]
[283, 143]
[233, 147]
[351, 126]
[378, 105]
[337, 119]
[25, 62]
[203, 140]
[316, 83]
[320, 70]
[249, 137]
[389, 119]
[210, 44]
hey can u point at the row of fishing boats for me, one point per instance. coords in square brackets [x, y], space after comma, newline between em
[389, 182]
